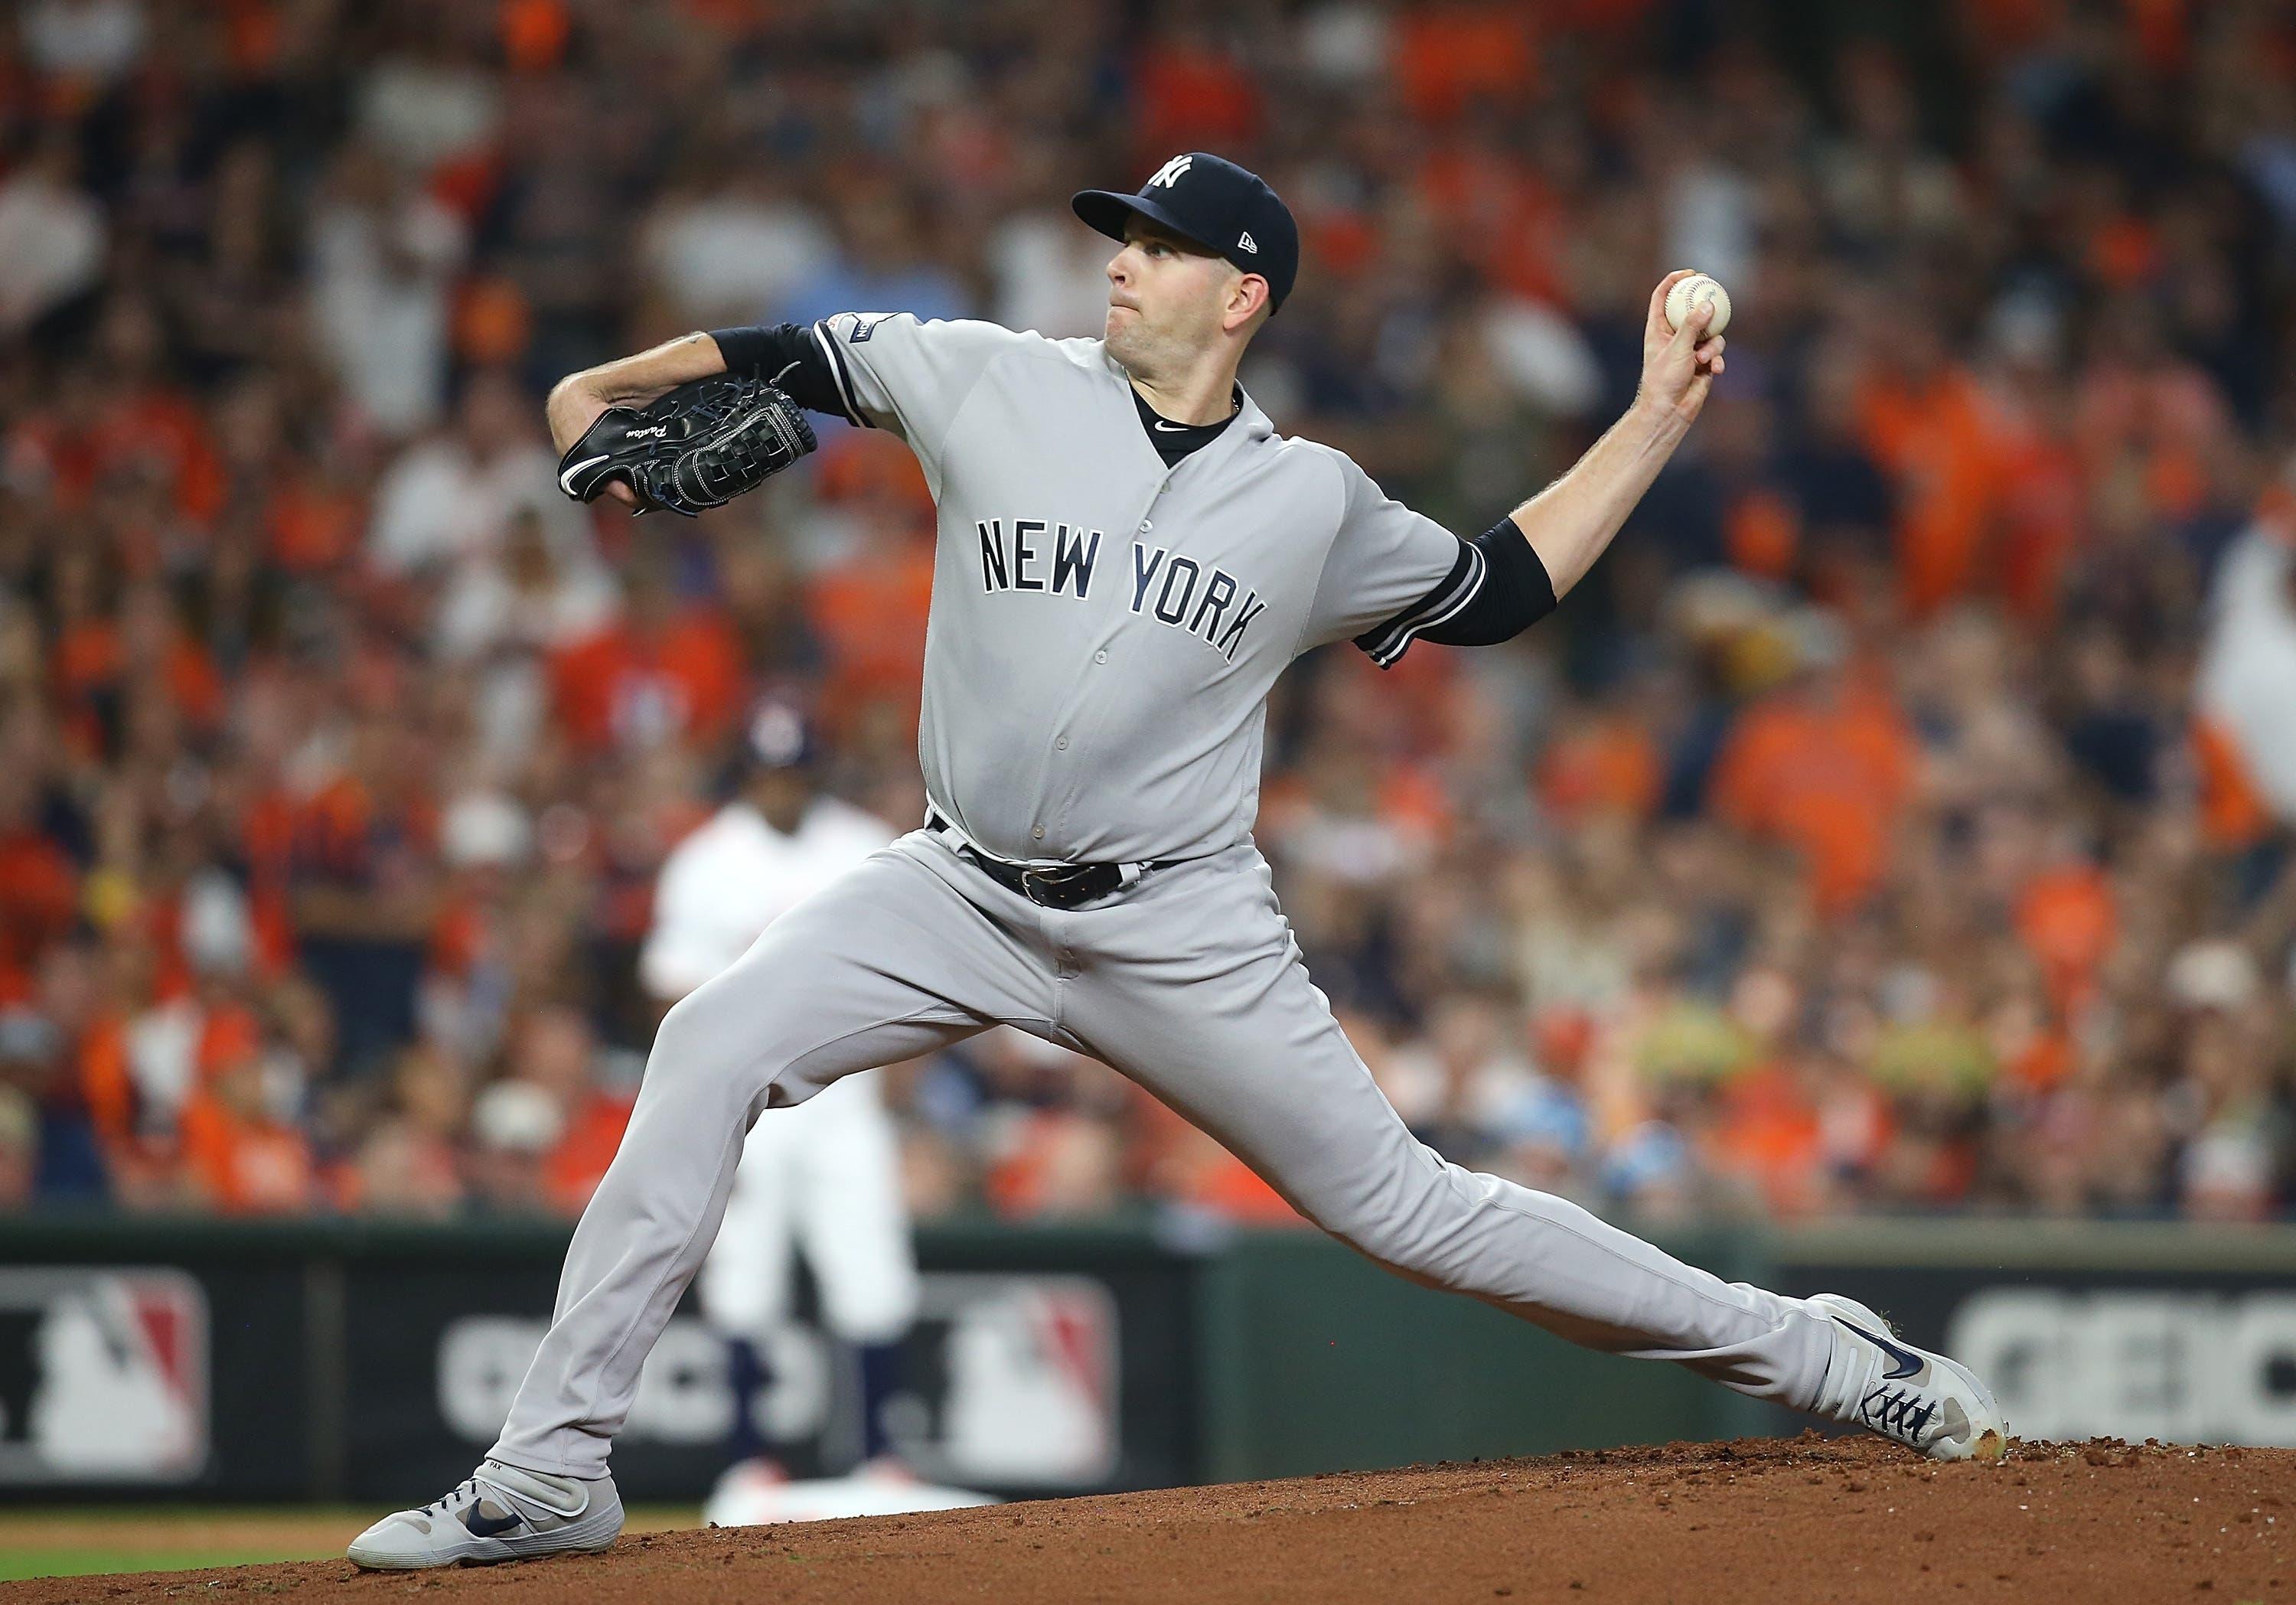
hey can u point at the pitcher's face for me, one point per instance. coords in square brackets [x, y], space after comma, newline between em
[1168, 300]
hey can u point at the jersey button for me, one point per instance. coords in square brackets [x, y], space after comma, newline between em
[1039, 833]
[1101, 656]
[1146, 525]
[1063, 743]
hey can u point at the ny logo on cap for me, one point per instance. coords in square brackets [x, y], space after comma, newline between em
[1169, 173]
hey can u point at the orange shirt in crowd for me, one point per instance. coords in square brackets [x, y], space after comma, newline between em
[311, 526]
[1505, 219]
[2065, 917]
[342, 833]
[1939, 443]
[140, 1164]
[243, 1166]
[1772, 1137]
[869, 615]
[1826, 776]
[1189, 96]
[39, 893]
[194, 682]
[105, 1087]
[462, 935]
[86, 660]
[238, 1162]
[2043, 511]
[89, 659]
[1206, 1177]
[154, 425]
[573, 1169]
[1446, 56]
[535, 33]
[267, 825]
[2041, 1062]
[1176, 1161]
[1761, 530]
[2232, 816]
[1607, 765]
[2168, 418]
[683, 682]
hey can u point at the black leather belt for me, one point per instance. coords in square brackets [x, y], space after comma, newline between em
[1057, 886]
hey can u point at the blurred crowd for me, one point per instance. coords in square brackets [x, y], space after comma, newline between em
[1898, 819]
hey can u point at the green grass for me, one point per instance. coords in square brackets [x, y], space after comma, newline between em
[86, 1540]
[19, 1563]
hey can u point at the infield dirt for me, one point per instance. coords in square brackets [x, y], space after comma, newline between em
[1755, 1520]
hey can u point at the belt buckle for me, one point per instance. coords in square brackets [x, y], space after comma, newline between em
[1041, 889]
[1057, 889]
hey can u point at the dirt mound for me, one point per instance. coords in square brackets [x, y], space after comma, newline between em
[1758, 1521]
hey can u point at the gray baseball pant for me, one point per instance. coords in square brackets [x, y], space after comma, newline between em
[1192, 985]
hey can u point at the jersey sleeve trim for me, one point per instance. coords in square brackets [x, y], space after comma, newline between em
[1386, 643]
[843, 377]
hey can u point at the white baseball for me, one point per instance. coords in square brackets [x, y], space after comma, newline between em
[1688, 292]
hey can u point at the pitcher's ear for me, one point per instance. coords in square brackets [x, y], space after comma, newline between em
[1246, 300]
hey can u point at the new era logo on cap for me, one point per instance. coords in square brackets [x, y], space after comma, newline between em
[1247, 243]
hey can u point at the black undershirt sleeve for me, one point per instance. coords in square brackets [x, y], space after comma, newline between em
[1513, 594]
[790, 356]
[1516, 593]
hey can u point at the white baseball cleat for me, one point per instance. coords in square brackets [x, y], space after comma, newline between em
[498, 1513]
[1923, 1400]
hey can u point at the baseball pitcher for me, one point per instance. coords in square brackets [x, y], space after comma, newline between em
[1129, 556]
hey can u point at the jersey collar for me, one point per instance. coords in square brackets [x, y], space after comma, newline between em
[1250, 418]
[1250, 423]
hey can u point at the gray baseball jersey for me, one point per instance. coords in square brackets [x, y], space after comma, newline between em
[1105, 629]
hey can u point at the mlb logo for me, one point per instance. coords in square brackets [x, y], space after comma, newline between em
[103, 1375]
[1014, 1382]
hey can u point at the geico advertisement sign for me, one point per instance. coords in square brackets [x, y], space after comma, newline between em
[2183, 1367]
[1007, 1381]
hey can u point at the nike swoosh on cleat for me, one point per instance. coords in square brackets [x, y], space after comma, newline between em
[1908, 1361]
[566, 478]
[488, 1527]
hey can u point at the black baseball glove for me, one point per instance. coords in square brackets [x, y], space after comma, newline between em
[691, 448]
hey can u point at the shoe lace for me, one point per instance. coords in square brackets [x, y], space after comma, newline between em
[1899, 1413]
[438, 1507]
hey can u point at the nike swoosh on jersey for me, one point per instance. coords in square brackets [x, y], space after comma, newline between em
[566, 480]
[1907, 1360]
[1170, 428]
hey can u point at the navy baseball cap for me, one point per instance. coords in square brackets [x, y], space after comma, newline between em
[1210, 201]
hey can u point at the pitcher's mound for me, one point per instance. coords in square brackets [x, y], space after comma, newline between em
[1761, 1520]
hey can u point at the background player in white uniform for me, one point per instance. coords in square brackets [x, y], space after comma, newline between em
[1129, 556]
[829, 1180]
